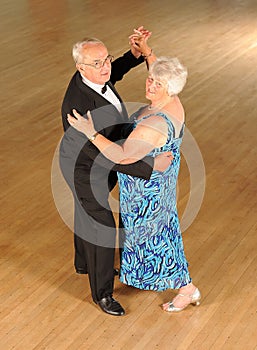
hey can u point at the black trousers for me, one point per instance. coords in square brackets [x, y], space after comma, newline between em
[95, 240]
[94, 226]
[100, 263]
[80, 255]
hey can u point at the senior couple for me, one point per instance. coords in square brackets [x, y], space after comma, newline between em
[101, 145]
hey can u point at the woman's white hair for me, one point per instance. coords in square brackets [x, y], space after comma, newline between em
[77, 48]
[171, 71]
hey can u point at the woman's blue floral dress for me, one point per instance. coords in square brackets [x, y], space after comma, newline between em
[153, 256]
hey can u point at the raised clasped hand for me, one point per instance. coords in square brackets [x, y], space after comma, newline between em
[138, 40]
[82, 124]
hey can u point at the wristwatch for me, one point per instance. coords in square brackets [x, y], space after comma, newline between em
[93, 137]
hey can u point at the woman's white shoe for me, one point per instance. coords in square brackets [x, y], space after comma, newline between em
[193, 299]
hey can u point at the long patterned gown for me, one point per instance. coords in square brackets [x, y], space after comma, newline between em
[153, 256]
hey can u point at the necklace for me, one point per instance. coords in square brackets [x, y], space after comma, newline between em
[150, 107]
[158, 106]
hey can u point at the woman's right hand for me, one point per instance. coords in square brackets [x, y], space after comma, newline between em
[138, 40]
[82, 124]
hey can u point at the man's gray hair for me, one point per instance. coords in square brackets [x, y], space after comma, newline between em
[171, 71]
[77, 48]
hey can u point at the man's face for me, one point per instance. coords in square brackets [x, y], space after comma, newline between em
[94, 53]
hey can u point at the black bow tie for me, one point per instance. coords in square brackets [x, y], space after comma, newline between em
[104, 89]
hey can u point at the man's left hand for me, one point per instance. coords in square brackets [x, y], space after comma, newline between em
[140, 35]
[163, 161]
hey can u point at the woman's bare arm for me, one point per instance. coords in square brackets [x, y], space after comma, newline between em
[149, 134]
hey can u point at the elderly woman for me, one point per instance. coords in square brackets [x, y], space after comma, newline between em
[153, 257]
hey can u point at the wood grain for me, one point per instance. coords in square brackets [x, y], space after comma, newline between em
[44, 304]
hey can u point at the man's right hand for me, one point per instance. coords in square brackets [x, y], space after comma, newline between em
[163, 161]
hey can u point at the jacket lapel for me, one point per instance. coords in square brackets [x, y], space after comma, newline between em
[100, 101]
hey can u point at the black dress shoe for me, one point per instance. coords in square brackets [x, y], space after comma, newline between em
[81, 271]
[111, 306]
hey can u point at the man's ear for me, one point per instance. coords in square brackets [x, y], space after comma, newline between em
[79, 67]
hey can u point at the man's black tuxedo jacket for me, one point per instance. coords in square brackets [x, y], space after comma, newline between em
[88, 172]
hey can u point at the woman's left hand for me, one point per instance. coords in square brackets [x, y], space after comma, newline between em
[82, 124]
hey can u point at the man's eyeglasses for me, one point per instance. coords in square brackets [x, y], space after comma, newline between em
[99, 63]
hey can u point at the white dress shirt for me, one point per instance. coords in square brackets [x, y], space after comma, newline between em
[109, 95]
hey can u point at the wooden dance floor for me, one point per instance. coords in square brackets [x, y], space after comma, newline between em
[44, 304]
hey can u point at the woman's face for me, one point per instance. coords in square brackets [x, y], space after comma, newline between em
[156, 90]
